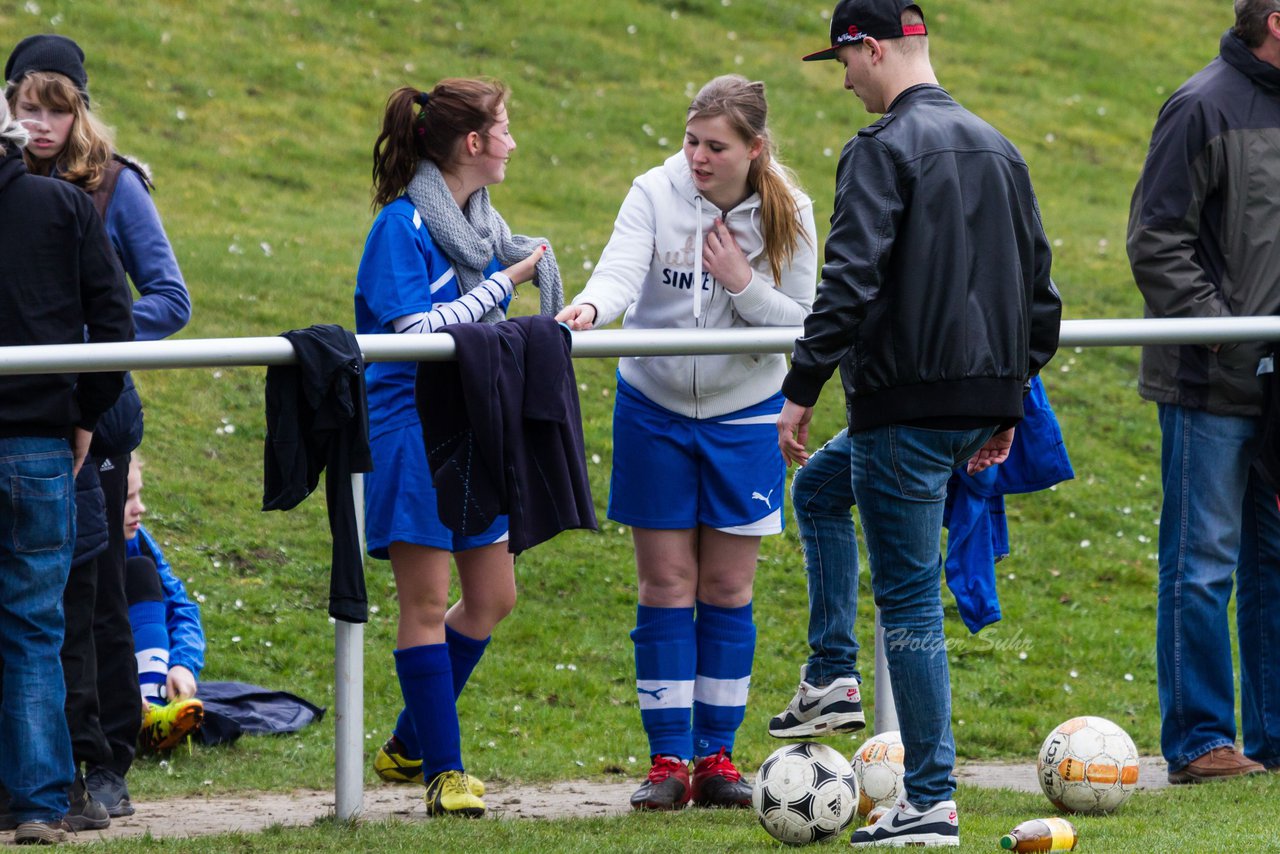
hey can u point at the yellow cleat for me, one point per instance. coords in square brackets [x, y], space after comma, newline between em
[164, 727]
[392, 765]
[449, 794]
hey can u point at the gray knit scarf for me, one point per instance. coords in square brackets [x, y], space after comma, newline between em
[471, 237]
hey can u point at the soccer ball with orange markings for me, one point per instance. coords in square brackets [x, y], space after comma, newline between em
[878, 767]
[1088, 765]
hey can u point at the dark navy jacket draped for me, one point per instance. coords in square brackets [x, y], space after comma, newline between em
[503, 431]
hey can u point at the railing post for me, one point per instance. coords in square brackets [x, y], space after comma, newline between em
[348, 688]
[886, 711]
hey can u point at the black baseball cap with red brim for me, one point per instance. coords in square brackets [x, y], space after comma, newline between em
[854, 20]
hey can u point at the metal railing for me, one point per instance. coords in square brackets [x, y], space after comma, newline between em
[230, 352]
[349, 637]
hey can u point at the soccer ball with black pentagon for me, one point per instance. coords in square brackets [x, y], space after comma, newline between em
[805, 793]
[1088, 765]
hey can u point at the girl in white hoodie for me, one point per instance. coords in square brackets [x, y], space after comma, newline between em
[717, 237]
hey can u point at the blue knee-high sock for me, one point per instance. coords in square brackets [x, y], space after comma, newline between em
[464, 654]
[426, 681]
[150, 648]
[665, 669]
[726, 648]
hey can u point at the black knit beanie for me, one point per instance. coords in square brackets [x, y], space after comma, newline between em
[48, 52]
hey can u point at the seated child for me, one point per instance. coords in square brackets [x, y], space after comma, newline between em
[167, 636]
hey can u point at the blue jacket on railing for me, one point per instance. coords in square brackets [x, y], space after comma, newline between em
[181, 615]
[978, 534]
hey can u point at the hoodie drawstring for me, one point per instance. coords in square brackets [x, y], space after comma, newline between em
[697, 263]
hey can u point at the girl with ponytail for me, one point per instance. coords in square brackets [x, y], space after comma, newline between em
[436, 255]
[719, 236]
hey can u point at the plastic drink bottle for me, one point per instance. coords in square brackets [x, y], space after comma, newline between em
[1041, 834]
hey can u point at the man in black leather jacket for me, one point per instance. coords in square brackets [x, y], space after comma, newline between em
[937, 305]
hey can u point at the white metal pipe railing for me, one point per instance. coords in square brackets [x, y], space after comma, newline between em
[348, 652]
[274, 350]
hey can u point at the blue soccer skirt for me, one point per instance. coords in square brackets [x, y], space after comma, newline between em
[400, 502]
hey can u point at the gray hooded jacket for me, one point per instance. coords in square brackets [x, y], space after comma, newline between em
[1204, 228]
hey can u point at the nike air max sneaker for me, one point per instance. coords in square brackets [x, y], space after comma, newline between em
[717, 783]
[448, 794]
[820, 711]
[936, 825]
[667, 787]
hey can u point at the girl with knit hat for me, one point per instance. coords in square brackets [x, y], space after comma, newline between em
[48, 91]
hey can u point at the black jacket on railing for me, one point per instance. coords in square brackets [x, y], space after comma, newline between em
[935, 300]
[318, 420]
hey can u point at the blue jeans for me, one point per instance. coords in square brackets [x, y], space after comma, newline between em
[1217, 521]
[900, 476]
[37, 532]
[822, 496]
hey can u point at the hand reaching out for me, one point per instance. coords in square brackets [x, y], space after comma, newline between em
[578, 317]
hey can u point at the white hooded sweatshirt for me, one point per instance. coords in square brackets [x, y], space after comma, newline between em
[648, 270]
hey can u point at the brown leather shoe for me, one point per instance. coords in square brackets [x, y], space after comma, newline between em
[1218, 764]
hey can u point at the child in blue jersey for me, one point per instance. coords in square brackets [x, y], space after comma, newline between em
[168, 638]
[434, 256]
[719, 236]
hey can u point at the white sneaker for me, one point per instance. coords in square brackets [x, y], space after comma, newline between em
[820, 711]
[906, 825]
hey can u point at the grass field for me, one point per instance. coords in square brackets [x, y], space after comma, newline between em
[258, 118]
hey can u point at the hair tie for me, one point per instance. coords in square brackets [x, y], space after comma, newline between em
[422, 98]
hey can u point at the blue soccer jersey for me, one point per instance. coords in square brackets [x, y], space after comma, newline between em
[402, 272]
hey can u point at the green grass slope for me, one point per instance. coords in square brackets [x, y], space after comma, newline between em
[258, 117]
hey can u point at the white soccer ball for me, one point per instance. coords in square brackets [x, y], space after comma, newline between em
[878, 767]
[805, 793]
[1088, 765]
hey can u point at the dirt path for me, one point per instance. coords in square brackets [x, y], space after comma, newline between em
[574, 799]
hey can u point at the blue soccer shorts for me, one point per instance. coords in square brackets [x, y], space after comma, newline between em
[673, 472]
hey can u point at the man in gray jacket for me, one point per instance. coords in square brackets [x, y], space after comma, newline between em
[1203, 242]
